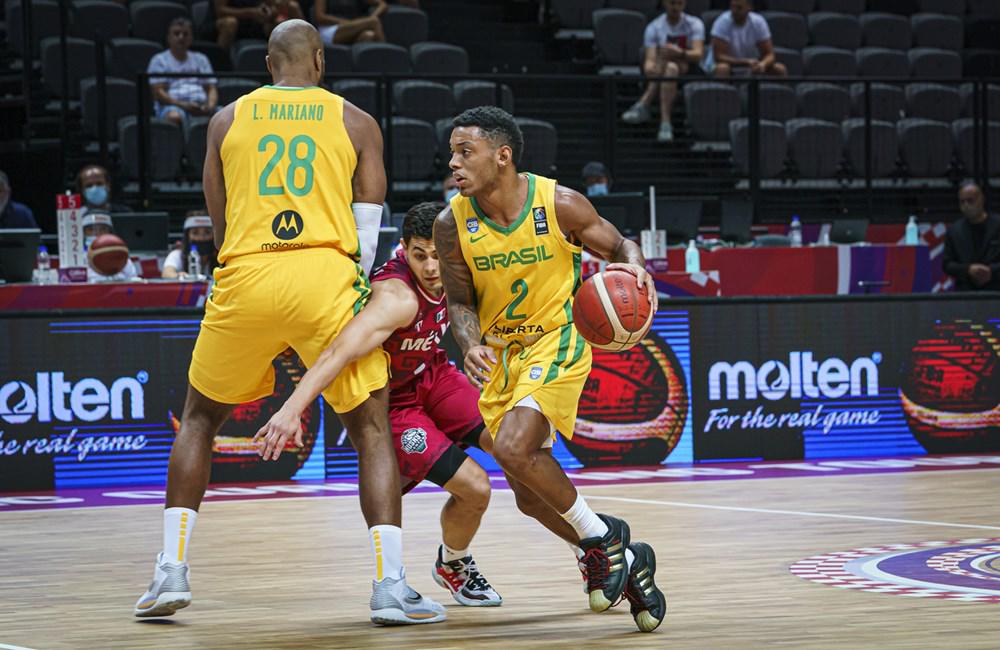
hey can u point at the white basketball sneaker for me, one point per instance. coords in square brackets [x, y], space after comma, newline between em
[395, 603]
[168, 592]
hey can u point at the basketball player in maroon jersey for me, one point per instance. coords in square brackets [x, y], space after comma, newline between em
[432, 406]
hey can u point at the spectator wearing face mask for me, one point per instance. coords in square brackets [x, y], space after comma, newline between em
[96, 224]
[449, 187]
[596, 179]
[94, 183]
[199, 239]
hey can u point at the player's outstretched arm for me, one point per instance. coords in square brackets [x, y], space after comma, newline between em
[458, 286]
[212, 181]
[392, 305]
[578, 219]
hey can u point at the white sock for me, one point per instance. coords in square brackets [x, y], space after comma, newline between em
[584, 521]
[577, 551]
[449, 554]
[178, 524]
[387, 548]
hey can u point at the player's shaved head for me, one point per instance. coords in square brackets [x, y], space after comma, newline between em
[293, 45]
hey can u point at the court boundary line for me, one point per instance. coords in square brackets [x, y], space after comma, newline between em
[4, 646]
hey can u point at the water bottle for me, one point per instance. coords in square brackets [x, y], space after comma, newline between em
[194, 263]
[43, 265]
[795, 231]
[912, 237]
[692, 259]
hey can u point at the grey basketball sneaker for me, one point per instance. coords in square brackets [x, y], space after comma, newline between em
[168, 592]
[395, 603]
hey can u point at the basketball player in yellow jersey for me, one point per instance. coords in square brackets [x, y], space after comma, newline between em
[284, 164]
[509, 246]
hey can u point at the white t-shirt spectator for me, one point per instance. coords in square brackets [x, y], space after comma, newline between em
[185, 89]
[688, 29]
[175, 258]
[742, 39]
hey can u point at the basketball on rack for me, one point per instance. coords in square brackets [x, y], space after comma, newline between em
[612, 311]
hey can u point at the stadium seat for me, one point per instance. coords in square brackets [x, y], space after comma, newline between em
[45, 23]
[982, 32]
[130, 56]
[708, 17]
[933, 63]
[901, 7]
[469, 94]
[413, 149]
[195, 146]
[438, 58]
[230, 89]
[540, 157]
[966, 92]
[80, 64]
[648, 8]
[963, 131]
[793, 6]
[823, 101]
[823, 61]
[772, 152]
[987, 8]
[886, 30]
[776, 101]
[811, 146]
[120, 102]
[360, 92]
[853, 7]
[618, 36]
[791, 59]
[888, 102]
[710, 108]
[217, 56]
[380, 58]
[933, 102]
[100, 17]
[885, 146]
[250, 56]
[787, 29]
[936, 30]
[835, 30]
[166, 144]
[404, 25]
[576, 14]
[338, 59]
[950, 7]
[697, 8]
[150, 18]
[925, 146]
[442, 131]
[981, 63]
[882, 62]
[423, 100]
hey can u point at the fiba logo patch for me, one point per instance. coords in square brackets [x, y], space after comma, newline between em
[414, 441]
[287, 225]
[472, 225]
[541, 222]
[536, 372]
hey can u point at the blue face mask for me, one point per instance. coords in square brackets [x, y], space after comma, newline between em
[450, 193]
[597, 189]
[96, 195]
[87, 241]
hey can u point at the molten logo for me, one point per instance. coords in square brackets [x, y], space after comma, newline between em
[89, 399]
[287, 225]
[800, 377]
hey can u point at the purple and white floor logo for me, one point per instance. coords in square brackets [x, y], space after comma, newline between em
[964, 570]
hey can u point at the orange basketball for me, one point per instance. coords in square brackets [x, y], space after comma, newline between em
[108, 254]
[612, 311]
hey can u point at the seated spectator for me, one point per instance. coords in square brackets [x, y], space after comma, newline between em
[674, 43]
[335, 30]
[12, 213]
[179, 98]
[198, 238]
[972, 244]
[741, 44]
[596, 179]
[251, 18]
[449, 187]
[94, 183]
[95, 224]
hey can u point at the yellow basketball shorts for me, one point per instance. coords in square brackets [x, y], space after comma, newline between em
[553, 371]
[264, 303]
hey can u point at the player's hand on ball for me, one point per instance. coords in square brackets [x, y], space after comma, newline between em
[271, 437]
[642, 278]
[479, 362]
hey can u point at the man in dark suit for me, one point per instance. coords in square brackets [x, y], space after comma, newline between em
[12, 213]
[972, 245]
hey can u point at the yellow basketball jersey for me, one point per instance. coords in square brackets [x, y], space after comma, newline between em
[288, 163]
[526, 274]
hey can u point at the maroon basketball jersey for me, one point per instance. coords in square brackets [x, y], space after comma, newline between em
[416, 348]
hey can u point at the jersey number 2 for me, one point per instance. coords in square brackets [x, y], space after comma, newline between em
[296, 162]
[520, 291]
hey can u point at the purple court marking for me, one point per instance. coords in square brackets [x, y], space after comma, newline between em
[942, 570]
[138, 495]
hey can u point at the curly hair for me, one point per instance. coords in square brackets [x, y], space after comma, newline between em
[497, 125]
[419, 220]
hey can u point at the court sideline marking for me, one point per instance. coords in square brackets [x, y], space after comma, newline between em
[800, 513]
[4, 646]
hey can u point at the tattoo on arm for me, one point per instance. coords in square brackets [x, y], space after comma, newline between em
[457, 281]
[628, 252]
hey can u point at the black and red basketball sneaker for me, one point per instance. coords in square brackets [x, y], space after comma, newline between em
[607, 571]
[648, 604]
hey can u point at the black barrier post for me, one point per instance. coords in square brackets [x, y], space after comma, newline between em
[385, 110]
[611, 133]
[753, 114]
[64, 64]
[142, 126]
[27, 47]
[868, 147]
[102, 97]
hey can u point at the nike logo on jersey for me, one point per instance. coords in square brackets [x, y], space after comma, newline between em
[473, 240]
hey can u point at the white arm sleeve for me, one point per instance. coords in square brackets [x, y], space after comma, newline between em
[367, 216]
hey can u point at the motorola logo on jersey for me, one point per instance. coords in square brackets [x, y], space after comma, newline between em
[287, 225]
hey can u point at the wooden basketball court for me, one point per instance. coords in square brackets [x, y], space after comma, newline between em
[295, 573]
